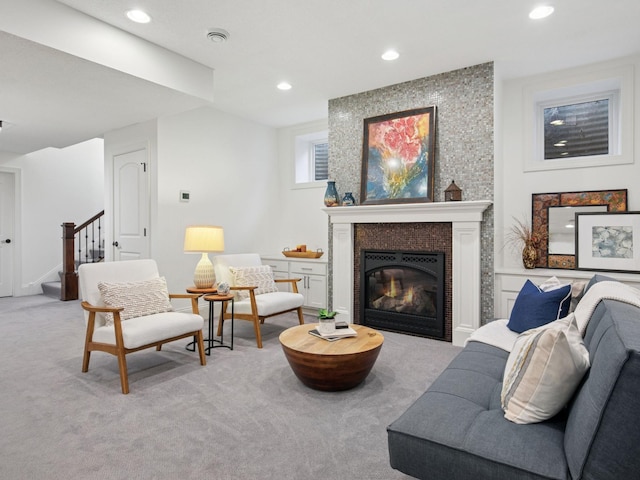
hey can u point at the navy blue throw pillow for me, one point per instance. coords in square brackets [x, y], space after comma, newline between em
[534, 307]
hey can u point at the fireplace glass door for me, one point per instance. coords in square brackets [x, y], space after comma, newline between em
[403, 291]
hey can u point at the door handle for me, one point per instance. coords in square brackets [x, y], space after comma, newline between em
[8, 240]
[115, 244]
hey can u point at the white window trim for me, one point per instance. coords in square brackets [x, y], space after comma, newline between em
[303, 149]
[565, 91]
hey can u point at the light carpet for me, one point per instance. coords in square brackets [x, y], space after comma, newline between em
[243, 416]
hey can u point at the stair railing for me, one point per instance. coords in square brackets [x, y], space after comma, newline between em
[88, 240]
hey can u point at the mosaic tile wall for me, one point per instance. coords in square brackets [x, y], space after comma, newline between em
[464, 143]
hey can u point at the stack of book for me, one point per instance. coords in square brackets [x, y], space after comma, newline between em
[340, 332]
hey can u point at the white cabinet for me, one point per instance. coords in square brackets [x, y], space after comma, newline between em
[280, 271]
[314, 282]
[508, 283]
[312, 274]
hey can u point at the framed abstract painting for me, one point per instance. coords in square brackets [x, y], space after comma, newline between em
[608, 241]
[398, 157]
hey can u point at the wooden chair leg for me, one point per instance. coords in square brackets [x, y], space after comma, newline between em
[85, 359]
[256, 328]
[300, 316]
[87, 339]
[124, 378]
[200, 341]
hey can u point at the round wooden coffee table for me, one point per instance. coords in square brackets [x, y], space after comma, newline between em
[331, 366]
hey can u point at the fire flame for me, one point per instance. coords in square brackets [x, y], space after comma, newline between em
[408, 297]
[392, 288]
[394, 291]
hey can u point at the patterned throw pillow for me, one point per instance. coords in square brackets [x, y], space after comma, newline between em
[137, 298]
[543, 370]
[261, 277]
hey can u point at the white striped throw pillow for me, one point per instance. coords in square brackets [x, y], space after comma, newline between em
[137, 298]
[261, 277]
[543, 370]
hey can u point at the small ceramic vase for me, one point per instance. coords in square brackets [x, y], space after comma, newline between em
[348, 200]
[223, 288]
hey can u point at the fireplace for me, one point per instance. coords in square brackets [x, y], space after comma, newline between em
[464, 260]
[403, 291]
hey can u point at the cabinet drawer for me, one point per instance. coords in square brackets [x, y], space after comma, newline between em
[277, 265]
[308, 268]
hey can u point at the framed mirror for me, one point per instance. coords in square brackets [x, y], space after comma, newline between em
[552, 214]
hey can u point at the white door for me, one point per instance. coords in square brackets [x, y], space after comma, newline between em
[7, 199]
[131, 205]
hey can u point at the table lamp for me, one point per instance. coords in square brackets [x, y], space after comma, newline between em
[204, 239]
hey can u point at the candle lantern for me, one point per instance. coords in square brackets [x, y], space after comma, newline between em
[452, 193]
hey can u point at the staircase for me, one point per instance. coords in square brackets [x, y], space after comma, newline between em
[52, 289]
[81, 244]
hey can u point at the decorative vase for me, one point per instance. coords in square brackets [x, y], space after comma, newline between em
[348, 200]
[529, 256]
[223, 288]
[331, 198]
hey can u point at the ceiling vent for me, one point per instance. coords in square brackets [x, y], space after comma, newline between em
[218, 35]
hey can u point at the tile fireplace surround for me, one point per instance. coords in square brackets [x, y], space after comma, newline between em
[465, 219]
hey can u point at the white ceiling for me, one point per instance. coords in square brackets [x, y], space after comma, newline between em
[326, 49]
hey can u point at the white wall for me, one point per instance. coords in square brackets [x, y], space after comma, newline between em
[301, 205]
[229, 166]
[57, 186]
[239, 175]
[514, 185]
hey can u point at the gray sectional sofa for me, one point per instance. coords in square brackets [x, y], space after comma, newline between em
[457, 430]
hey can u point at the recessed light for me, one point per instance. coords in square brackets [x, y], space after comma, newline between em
[284, 86]
[138, 16]
[541, 12]
[218, 35]
[390, 55]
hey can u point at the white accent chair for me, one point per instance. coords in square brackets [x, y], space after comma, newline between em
[133, 334]
[256, 307]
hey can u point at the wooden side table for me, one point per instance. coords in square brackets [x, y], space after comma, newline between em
[191, 346]
[224, 298]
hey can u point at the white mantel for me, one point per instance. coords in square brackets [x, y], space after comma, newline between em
[465, 217]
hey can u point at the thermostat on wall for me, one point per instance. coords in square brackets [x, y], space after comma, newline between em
[184, 195]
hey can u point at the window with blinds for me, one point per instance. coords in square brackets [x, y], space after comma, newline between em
[311, 158]
[577, 130]
[320, 155]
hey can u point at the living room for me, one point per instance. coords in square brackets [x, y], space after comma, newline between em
[208, 153]
[239, 174]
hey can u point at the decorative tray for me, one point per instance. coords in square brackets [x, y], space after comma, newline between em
[289, 253]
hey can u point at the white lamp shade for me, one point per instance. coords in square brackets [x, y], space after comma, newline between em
[204, 239]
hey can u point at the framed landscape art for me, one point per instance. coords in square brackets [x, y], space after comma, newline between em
[398, 157]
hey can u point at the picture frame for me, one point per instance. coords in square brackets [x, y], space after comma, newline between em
[541, 203]
[608, 241]
[398, 161]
